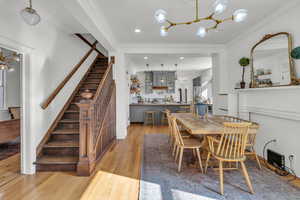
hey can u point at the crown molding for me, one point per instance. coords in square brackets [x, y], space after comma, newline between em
[275, 15]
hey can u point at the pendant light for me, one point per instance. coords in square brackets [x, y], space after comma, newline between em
[30, 16]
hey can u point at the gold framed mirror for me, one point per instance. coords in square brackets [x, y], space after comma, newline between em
[271, 62]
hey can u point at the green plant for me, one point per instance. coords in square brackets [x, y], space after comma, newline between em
[296, 53]
[244, 62]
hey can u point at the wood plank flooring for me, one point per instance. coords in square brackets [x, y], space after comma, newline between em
[117, 176]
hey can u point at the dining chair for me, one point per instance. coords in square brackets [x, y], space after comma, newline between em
[230, 147]
[184, 134]
[185, 143]
[250, 150]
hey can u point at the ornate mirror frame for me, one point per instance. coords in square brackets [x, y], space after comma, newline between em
[294, 80]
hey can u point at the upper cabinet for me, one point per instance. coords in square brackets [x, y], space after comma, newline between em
[148, 82]
[160, 79]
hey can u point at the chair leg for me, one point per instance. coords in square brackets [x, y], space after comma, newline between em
[246, 175]
[221, 177]
[174, 149]
[180, 159]
[200, 161]
[194, 153]
[257, 159]
[177, 153]
[206, 163]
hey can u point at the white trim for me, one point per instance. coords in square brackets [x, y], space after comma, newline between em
[27, 146]
[269, 88]
[276, 113]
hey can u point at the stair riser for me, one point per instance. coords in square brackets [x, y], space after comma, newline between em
[90, 85]
[71, 116]
[66, 151]
[94, 76]
[94, 80]
[55, 167]
[64, 137]
[73, 106]
[101, 71]
[67, 126]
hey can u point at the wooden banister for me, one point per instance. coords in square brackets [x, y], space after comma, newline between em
[97, 123]
[52, 96]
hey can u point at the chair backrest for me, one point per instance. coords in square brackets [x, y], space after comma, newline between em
[176, 132]
[168, 114]
[232, 143]
[252, 129]
[15, 112]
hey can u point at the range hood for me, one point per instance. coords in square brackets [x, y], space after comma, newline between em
[160, 88]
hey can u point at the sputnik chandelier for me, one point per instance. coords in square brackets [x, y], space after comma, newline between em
[219, 6]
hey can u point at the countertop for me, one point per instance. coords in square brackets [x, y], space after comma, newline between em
[160, 104]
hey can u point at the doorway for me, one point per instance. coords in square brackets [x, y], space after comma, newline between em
[10, 112]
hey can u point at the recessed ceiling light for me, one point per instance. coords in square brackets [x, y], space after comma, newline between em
[146, 58]
[137, 30]
[181, 58]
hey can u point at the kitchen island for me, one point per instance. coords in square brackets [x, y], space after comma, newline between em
[137, 111]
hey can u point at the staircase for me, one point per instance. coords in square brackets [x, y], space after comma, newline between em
[60, 151]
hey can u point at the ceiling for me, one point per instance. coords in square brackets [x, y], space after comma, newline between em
[190, 62]
[126, 15]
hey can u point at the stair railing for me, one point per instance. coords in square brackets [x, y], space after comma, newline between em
[52, 96]
[97, 123]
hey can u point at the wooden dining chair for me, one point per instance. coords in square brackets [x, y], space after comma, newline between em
[230, 147]
[250, 150]
[185, 143]
[184, 134]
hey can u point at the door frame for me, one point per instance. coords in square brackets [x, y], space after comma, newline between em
[27, 140]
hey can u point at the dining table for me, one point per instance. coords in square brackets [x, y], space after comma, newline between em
[211, 125]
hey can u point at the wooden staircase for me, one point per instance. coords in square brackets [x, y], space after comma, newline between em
[60, 150]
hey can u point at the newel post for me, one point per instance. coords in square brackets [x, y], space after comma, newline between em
[83, 166]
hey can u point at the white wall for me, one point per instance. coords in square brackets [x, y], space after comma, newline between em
[50, 61]
[277, 111]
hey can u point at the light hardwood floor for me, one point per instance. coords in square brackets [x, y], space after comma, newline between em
[117, 176]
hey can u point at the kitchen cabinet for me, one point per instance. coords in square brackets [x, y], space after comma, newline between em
[160, 79]
[148, 82]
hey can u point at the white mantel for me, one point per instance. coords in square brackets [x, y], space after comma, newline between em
[277, 110]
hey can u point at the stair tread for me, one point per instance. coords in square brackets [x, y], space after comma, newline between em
[72, 111]
[62, 143]
[50, 159]
[69, 120]
[66, 131]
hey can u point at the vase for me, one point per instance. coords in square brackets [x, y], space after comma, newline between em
[243, 84]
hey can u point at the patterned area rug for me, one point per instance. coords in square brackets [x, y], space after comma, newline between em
[160, 180]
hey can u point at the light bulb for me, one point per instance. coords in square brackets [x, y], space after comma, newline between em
[220, 6]
[30, 16]
[240, 15]
[202, 32]
[11, 69]
[160, 16]
[163, 31]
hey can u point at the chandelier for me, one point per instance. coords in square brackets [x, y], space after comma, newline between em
[219, 6]
[6, 60]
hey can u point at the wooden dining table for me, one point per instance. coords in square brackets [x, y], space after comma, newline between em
[211, 125]
[207, 126]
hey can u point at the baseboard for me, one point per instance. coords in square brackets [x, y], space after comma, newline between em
[290, 177]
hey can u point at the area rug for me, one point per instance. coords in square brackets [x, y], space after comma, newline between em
[161, 181]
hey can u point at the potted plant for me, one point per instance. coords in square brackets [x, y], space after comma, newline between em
[244, 62]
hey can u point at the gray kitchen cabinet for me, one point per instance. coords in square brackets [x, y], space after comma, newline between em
[148, 82]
